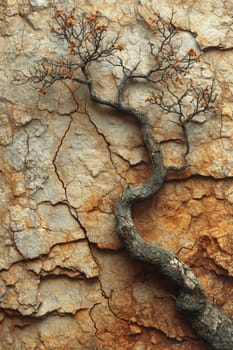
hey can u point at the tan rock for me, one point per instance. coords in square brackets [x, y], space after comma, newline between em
[64, 281]
[22, 291]
[100, 228]
[71, 259]
[78, 295]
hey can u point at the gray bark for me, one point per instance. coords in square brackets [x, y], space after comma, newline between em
[210, 324]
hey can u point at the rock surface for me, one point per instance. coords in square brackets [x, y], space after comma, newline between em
[65, 283]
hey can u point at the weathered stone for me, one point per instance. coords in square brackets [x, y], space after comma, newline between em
[71, 259]
[22, 291]
[57, 220]
[30, 242]
[5, 131]
[100, 228]
[210, 21]
[2, 289]
[39, 3]
[78, 295]
[64, 163]
[34, 233]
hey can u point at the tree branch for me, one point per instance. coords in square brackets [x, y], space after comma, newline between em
[85, 40]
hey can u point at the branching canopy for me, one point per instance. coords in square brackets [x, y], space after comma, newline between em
[171, 90]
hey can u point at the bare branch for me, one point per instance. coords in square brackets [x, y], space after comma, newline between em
[86, 43]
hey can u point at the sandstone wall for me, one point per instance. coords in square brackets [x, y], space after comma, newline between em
[65, 282]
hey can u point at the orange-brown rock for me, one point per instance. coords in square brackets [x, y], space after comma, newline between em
[65, 282]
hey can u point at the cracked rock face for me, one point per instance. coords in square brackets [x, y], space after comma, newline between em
[65, 282]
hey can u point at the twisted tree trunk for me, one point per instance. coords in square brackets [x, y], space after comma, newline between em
[86, 43]
[210, 324]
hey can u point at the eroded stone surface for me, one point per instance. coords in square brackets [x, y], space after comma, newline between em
[78, 295]
[64, 282]
[22, 291]
[210, 21]
[72, 259]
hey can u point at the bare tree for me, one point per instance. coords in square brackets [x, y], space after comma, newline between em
[173, 93]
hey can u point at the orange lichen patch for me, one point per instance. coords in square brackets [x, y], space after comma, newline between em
[140, 318]
[209, 254]
[139, 304]
[182, 212]
[219, 288]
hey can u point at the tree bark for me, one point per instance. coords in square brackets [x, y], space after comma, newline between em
[209, 323]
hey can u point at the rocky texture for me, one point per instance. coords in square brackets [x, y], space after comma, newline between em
[64, 163]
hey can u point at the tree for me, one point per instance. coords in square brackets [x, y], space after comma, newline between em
[174, 93]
